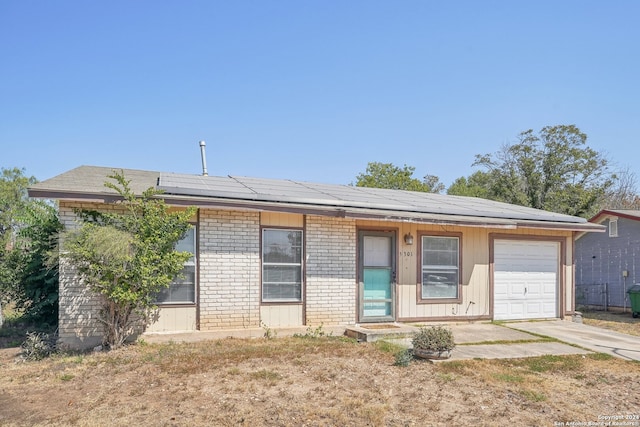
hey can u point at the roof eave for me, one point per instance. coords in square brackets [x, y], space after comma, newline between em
[37, 193]
[579, 227]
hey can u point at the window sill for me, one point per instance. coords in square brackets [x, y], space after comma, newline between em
[175, 304]
[281, 302]
[440, 301]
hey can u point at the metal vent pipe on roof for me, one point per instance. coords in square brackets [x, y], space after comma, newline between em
[204, 158]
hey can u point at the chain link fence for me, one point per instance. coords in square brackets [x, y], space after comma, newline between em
[594, 296]
[602, 296]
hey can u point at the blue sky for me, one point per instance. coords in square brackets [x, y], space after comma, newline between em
[310, 90]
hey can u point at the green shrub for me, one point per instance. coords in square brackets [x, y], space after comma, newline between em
[404, 357]
[318, 332]
[434, 338]
[37, 346]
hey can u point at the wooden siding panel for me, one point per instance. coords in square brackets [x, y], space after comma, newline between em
[174, 319]
[278, 219]
[281, 315]
[475, 269]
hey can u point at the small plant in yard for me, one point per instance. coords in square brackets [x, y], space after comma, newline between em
[313, 333]
[67, 377]
[37, 346]
[434, 338]
[404, 357]
[268, 332]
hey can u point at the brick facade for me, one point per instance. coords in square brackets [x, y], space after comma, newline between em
[330, 270]
[229, 248]
[229, 275]
[78, 326]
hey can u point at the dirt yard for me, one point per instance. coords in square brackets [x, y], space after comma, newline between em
[309, 382]
[616, 321]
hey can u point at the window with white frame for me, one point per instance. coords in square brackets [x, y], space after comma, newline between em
[613, 228]
[183, 288]
[440, 267]
[281, 265]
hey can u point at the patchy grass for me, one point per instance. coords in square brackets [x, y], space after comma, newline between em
[533, 396]
[320, 381]
[600, 356]
[66, 377]
[547, 363]
[271, 377]
[388, 347]
[509, 378]
[615, 321]
[454, 366]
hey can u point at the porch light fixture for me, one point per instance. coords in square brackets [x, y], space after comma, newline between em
[408, 238]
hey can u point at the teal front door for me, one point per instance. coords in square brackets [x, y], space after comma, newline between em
[377, 271]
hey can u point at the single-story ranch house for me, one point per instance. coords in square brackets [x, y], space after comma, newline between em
[285, 253]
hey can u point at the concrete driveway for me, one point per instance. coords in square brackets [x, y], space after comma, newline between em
[495, 341]
[589, 337]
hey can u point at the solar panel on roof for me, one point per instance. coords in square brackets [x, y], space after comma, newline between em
[343, 196]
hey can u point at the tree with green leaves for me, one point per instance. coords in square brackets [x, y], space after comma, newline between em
[27, 228]
[33, 281]
[476, 185]
[13, 200]
[552, 169]
[127, 255]
[387, 175]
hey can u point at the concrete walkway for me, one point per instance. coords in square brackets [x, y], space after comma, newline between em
[590, 337]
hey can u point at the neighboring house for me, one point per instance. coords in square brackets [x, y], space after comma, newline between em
[607, 264]
[285, 253]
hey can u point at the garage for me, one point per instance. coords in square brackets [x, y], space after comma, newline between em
[525, 279]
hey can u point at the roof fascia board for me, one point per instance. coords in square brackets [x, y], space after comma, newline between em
[583, 227]
[70, 196]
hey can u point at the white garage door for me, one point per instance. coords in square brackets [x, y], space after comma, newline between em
[525, 279]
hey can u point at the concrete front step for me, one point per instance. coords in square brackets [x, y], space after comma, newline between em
[378, 331]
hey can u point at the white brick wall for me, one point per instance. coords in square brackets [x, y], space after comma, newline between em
[79, 309]
[331, 270]
[229, 282]
[78, 326]
[229, 269]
